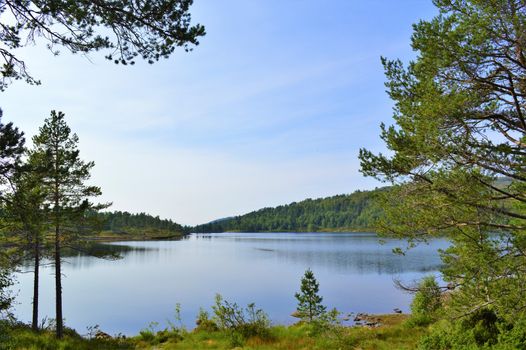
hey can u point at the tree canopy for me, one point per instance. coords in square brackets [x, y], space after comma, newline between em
[63, 175]
[460, 123]
[356, 211]
[127, 29]
[11, 149]
[125, 222]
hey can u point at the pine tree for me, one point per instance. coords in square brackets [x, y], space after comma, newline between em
[457, 151]
[11, 149]
[26, 216]
[309, 302]
[64, 174]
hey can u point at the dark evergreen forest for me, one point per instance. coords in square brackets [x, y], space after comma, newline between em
[125, 222]
[351, 212]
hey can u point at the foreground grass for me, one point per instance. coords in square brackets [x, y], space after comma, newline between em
[393, 334]
[23, 338]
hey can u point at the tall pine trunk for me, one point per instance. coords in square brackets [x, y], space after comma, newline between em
[36, 276]
[63, 174]
[58, 273]
[58, 286]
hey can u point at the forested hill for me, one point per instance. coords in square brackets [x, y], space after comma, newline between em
[126, 223]
[356, 211]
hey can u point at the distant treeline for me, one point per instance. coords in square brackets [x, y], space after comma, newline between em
[124, 222]
[356, 211]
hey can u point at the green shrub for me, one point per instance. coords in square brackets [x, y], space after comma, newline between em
[242, 323]
[147, 335]
[426, 303]
[5, 335]
[6, 298]
[153, 337]
[204, 323]
[512, 337]
[480, 330]
[327, 323]
[482, 326]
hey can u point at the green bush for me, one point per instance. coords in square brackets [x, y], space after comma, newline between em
[512, 337]
[482, 326]
[426, 303]
[326, 323]
[147, 335]
[153, 337]
[6, 298]
[242, 323]
[204, 323]
[5, 336]
[480, 330]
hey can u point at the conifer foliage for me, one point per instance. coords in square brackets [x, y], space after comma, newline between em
[309, 301]
[5, 297]
[149, 30]
[64, 175]
[11, 149]
[457, 150]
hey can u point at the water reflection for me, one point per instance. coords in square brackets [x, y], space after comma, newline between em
[343, 252]
[87, 254]
[355, 274]
[362, 262]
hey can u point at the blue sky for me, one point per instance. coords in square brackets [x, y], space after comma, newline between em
[271, 108]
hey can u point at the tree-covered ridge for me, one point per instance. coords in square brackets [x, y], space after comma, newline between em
[356, 211]
[125, 222]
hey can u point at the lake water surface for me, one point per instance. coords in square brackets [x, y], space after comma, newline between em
[355, 273]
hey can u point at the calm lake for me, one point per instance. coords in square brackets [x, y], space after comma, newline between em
[355, 273]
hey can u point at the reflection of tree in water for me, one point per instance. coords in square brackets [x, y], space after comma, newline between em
[367, 261]
[344, 252]
[109, 252]
[352, 253]
[358, 253]
[87, 253]
[102, 250]
[360, 261]
[207, 237]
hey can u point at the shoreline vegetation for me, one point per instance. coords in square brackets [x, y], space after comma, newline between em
[120, 226]
[389, 331]
[342, 230]
[230, 326]
[158, 235]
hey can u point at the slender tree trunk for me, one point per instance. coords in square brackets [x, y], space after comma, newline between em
[58, 285]
[58, 273]
[34, 325]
